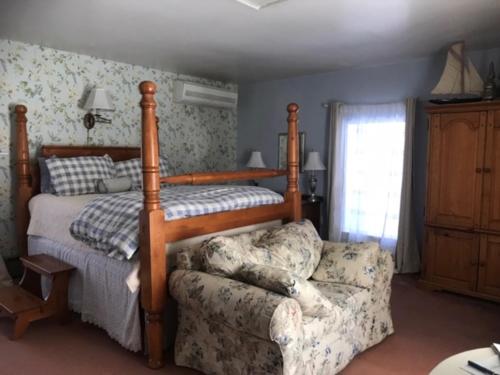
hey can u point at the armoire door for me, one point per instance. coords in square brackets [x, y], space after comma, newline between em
[456, 155]
[451, 258]
[490, 213]
[489, 265]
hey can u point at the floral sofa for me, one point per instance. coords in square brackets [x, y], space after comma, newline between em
[280, 301]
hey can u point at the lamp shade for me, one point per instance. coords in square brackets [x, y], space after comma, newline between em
[314, 162]
[255, 160]
[98, 99]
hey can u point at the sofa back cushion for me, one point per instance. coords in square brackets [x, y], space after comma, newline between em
[311, 300]
[348, 263]
[295, 247]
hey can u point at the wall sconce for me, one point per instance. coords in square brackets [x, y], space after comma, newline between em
[97, 101]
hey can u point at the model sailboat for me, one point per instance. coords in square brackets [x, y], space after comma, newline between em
[460, 81]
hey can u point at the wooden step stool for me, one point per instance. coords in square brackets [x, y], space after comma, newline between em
[24, 302]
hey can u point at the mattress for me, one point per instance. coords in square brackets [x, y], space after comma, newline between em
[104, 290]
[110, 223]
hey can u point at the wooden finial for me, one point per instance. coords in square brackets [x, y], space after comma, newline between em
[150, 160]
[21, 109]
[147, 87]
[292, 108]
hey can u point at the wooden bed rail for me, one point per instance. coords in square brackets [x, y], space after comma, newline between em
[213, 177]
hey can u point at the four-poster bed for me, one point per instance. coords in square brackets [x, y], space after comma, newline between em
[156, 233]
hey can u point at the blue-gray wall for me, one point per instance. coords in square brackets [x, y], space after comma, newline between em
[262, 109]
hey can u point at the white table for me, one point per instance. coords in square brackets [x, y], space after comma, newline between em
[453, 364]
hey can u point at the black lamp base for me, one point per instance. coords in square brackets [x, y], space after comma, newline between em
[89, 121]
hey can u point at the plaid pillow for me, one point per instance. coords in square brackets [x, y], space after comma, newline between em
[45, 182]
[76, 176]
[133, 168]
[130, 168]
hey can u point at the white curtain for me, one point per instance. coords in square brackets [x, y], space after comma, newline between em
[366, 166]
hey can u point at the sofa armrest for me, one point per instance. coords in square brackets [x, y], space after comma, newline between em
[241, 306]
[385, 271]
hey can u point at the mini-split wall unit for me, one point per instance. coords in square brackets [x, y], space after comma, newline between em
[195, 93]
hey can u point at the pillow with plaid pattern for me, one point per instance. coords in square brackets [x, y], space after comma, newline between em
[78, 175]
[133, 168]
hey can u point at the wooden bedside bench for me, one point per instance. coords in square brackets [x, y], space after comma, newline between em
[24, 302]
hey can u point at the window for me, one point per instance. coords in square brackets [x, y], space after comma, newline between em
[369, 170]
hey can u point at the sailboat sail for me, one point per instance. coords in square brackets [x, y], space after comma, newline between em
[459, 75]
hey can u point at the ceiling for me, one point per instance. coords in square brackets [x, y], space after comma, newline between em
[226, 40]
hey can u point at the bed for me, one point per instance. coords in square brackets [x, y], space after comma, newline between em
[156, 232]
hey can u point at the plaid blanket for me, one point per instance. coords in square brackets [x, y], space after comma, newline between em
[111, 223]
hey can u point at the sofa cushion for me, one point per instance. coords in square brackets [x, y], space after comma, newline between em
[348, 263]
[348, 298]
[310, 299]
[192, 257]
[222, 255]
[295, 247]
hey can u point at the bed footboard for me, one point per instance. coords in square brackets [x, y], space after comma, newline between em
[156, 233]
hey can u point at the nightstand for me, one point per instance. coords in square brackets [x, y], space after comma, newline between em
[312, 211]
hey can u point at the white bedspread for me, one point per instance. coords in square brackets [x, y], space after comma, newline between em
[51, 217]
[104, 290]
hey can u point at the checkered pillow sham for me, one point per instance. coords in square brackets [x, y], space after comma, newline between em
[77, 176]
[133, 168]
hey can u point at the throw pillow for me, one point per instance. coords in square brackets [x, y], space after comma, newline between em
[311, 300]
[348, 263]
[78, 175]
[295, 247]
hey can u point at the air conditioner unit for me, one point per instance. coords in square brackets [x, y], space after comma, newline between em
[194, 93]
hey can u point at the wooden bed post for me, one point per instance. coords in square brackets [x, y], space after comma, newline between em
[292, 191]
[24, 186]
[152, 244]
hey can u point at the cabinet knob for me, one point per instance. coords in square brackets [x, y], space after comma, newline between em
[487, 170]
[478, 170]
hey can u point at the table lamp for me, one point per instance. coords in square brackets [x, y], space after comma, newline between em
[313, 164]
[255, 161]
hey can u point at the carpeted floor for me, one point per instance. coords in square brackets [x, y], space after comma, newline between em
[429, 327]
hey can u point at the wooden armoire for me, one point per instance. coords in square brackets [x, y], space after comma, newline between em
[462, 213]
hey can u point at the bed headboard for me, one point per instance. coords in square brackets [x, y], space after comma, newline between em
[66, 151]
[28, 180]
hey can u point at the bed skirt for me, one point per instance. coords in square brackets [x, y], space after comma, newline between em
[98, 290]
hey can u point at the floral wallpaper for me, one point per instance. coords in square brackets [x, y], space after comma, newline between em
[53, 85]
